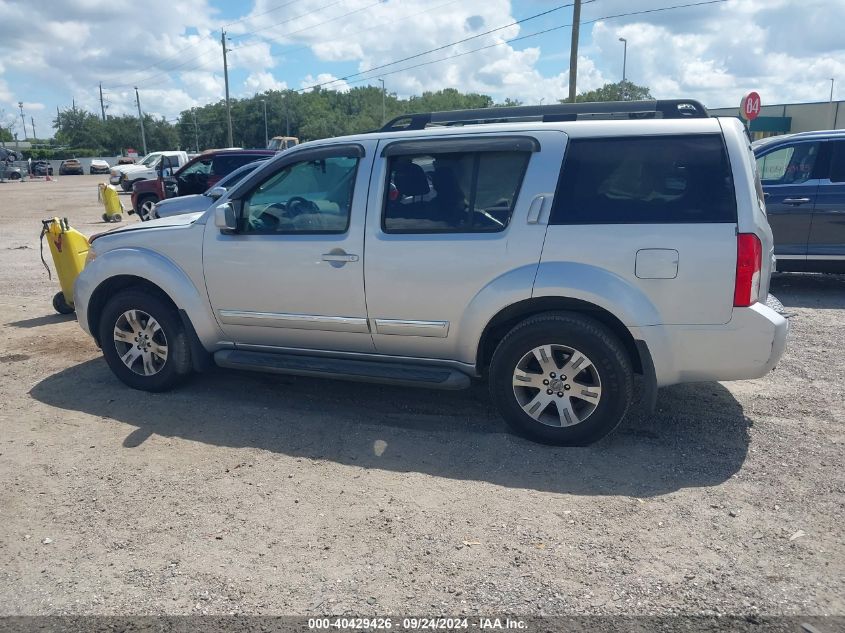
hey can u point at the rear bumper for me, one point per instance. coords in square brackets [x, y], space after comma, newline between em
[748, 346]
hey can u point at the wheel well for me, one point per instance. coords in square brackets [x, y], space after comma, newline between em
[109, 288]
[506, 319]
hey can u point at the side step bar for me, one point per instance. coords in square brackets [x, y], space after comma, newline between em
[344, 369]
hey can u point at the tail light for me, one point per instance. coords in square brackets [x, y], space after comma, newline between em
[749, 263]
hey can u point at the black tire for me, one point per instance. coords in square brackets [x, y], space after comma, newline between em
[14, 176]
[591, 338]
[116, 217]
[177, 366]
[105, 217]
[60, 305]
[126, 185]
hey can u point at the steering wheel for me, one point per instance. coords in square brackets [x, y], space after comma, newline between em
[298, 205]
[267, 221]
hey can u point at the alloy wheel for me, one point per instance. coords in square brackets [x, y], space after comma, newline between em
[140, 342]
[557, 385]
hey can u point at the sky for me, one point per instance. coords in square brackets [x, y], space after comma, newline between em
[53, 54]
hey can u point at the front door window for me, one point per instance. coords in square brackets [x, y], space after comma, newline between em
[312, 196]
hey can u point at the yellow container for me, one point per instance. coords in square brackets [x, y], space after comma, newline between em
[107, 194]
[69, 249]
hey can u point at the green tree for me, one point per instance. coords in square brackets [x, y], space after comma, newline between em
[621, 91]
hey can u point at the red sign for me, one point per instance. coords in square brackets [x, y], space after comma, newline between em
[749, 107]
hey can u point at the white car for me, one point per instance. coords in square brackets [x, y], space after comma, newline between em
[99, 166]
[145, 169]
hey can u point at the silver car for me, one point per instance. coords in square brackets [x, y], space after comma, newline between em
[554, 252]
[200, 202]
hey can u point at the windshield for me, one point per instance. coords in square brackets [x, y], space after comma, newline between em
[149, 159]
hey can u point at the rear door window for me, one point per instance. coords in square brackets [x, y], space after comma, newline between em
[637, 180]
[452, 192]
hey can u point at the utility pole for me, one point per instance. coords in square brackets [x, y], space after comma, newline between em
[383, 111]
[287, 116]
[832, 111]
[23, 120]
[141, 119]
[102, 107]
[226, 79]
[32, 120]
[196, 130]
[573, 50]
[266, 138]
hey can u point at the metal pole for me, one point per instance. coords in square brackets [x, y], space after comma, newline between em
[287, 117]
[141, 119]
[573, 50]
[624, 56]
[832, 111]
[23, 120]
[266, 137]
[226, 79]
[102, 107]
[383, 110]
[32, 120]
[196, 130]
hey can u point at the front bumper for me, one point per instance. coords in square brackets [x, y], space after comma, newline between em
[748, 346]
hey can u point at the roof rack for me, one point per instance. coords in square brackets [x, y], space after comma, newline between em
[661, 108]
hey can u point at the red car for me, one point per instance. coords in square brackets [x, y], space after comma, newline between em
[196, 176]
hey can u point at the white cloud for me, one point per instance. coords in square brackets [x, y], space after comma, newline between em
[262, 82]
[324, 78]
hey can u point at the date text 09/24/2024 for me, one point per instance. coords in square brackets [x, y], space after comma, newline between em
[433, 623]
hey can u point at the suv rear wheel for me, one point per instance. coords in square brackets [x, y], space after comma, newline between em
[561, 378]
[144, 341]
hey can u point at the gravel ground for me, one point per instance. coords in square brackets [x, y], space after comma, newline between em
[251, 494]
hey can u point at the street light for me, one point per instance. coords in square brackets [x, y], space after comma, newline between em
[266, 138]
[624, 56]
[383, 111]
[23, 120]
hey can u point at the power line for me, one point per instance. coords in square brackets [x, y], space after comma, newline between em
[370, 28]
[296, 17]
[162, 61]
[314, 26]
[172, 69]
[440, 48]
[258, 15]
[515, 39]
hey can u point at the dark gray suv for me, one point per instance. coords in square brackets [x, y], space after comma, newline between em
[803, 178]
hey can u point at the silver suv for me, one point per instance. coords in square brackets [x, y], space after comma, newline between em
[554, 251]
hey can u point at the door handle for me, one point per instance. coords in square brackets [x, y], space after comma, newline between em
[535, 208]
[796, 200]
[339, 257]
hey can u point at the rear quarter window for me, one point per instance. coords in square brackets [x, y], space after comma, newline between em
[639, 180]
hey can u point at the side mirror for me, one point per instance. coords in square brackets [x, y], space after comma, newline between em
[217, 192]
[225, 218]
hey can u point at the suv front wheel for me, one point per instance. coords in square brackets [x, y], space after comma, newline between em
[561, 378]
[144, 341]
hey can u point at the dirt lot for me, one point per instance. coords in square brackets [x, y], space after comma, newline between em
[244, 493]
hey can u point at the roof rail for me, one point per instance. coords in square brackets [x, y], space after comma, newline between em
[661, 108]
